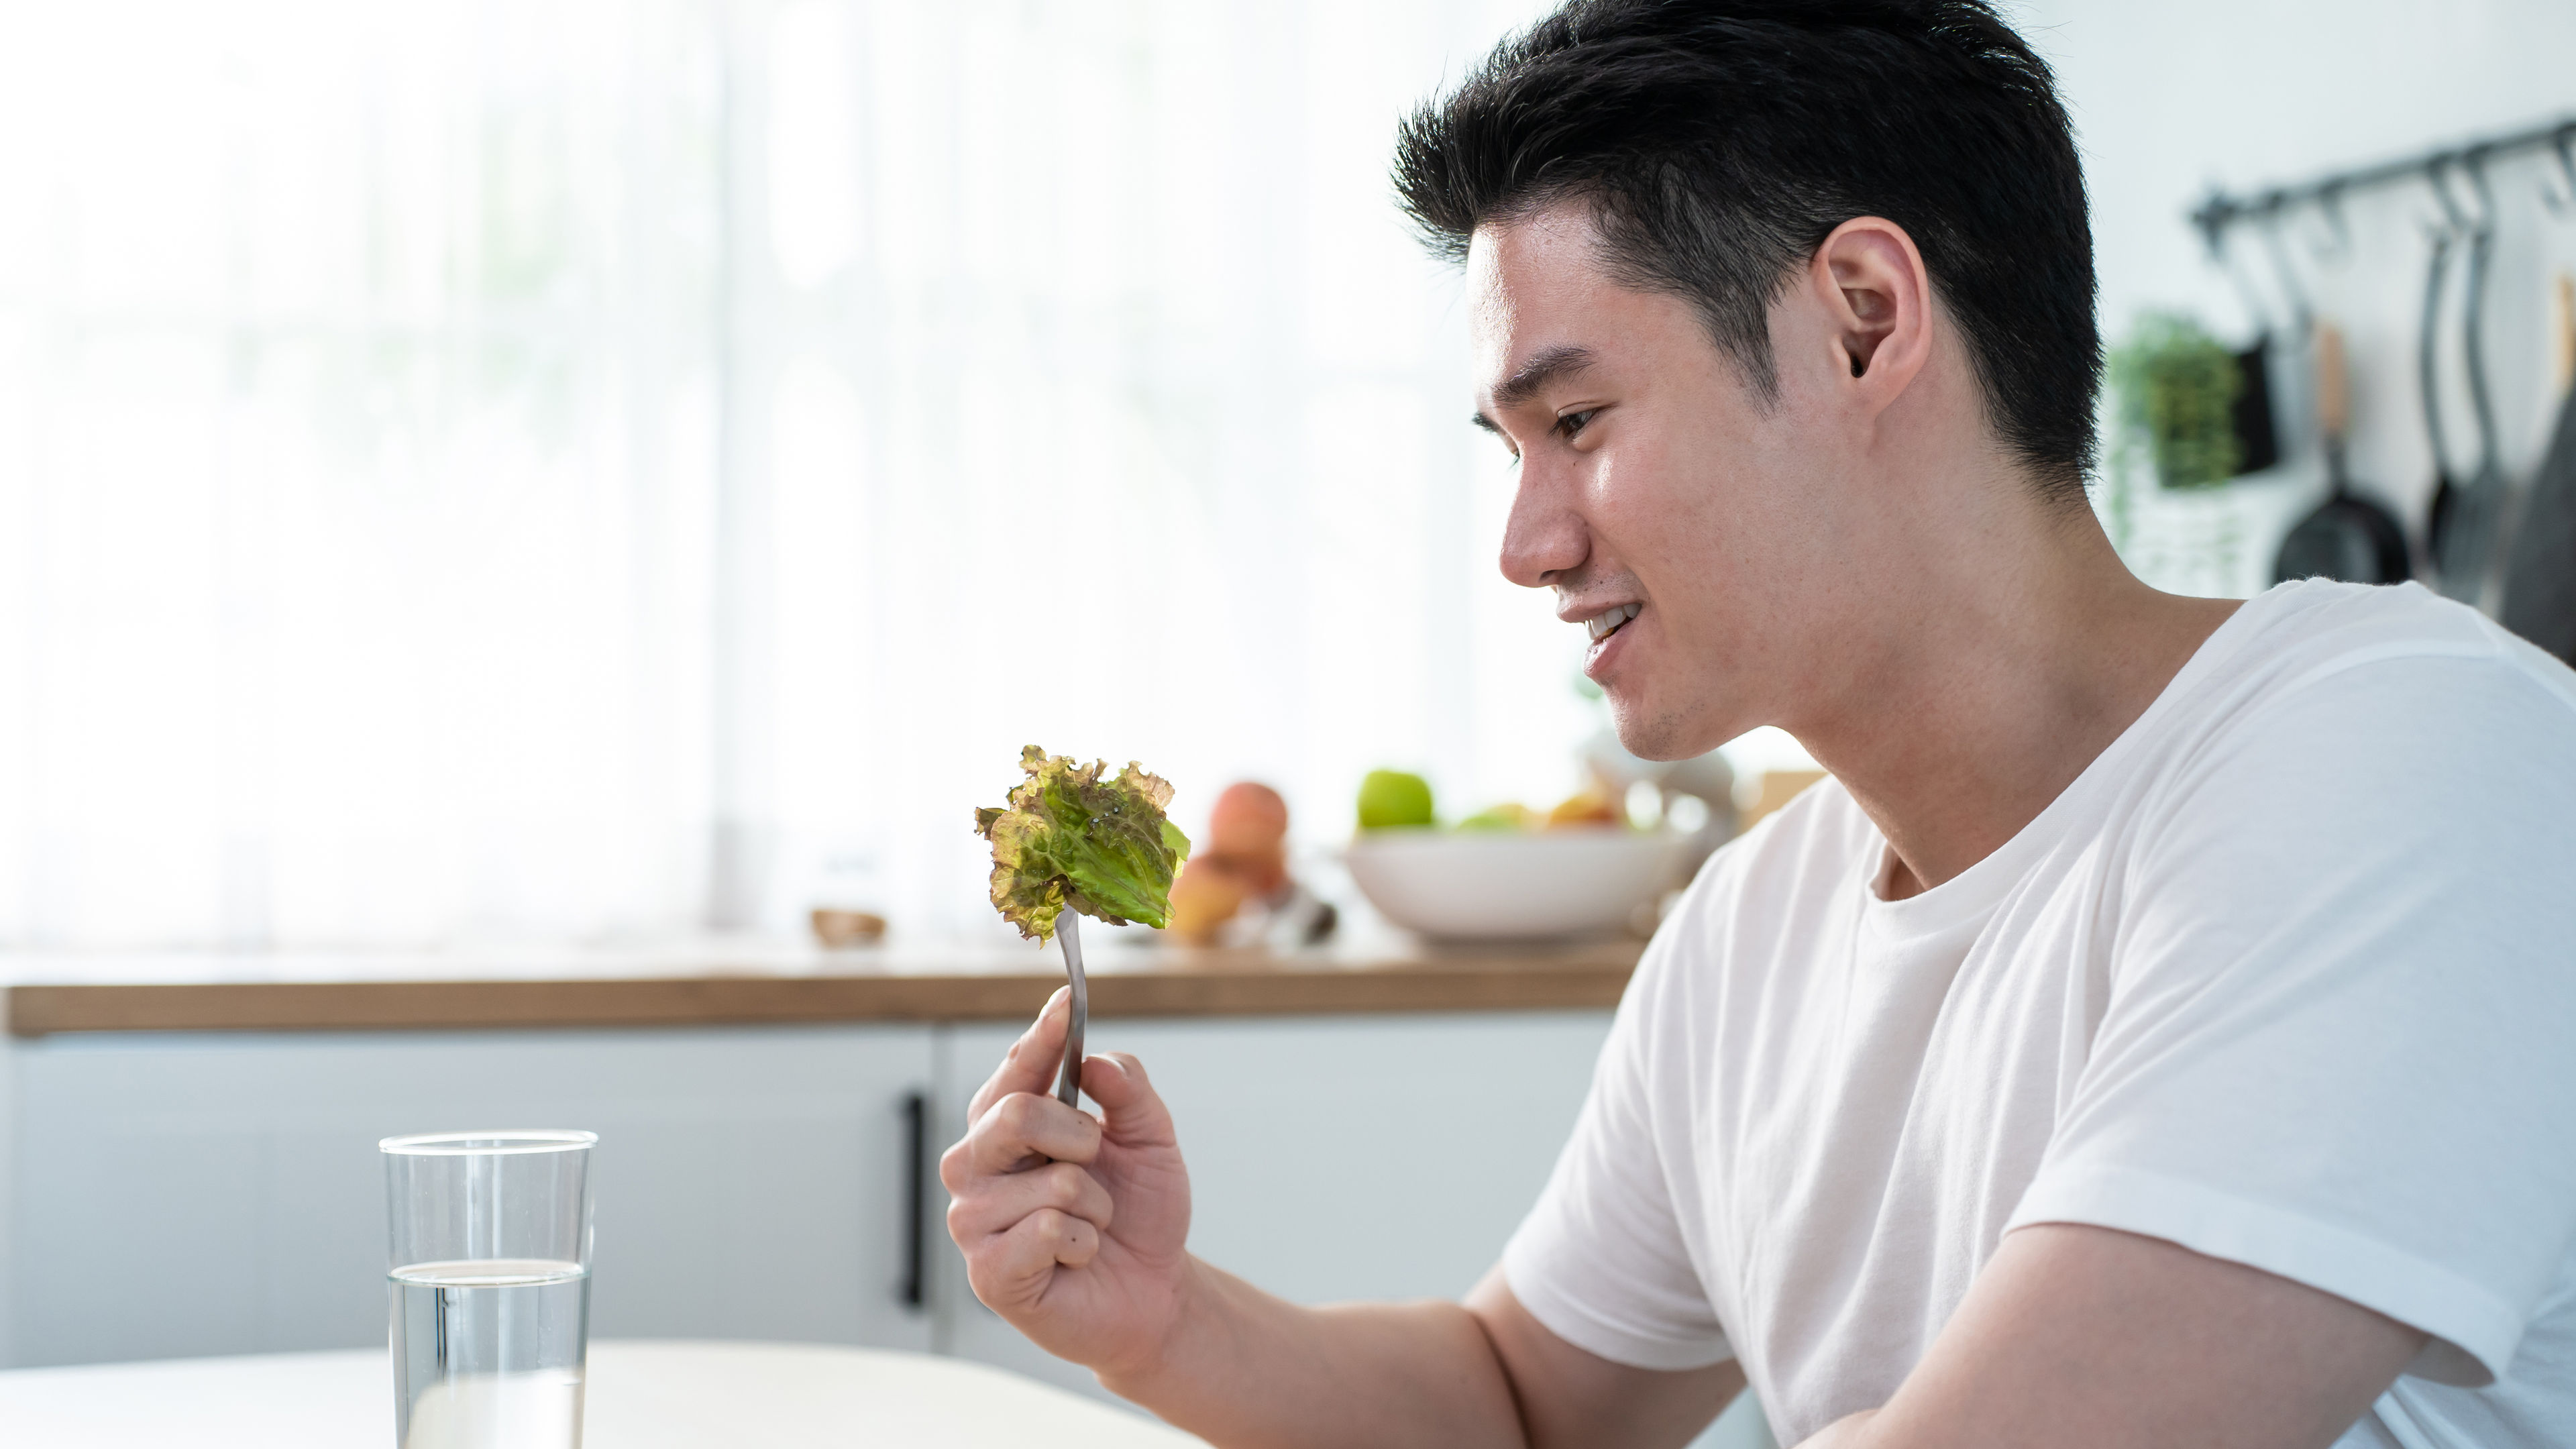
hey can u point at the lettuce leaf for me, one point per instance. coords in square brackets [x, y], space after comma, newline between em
[1069, 838]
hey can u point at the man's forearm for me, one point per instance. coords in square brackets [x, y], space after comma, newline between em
[1244, 1369]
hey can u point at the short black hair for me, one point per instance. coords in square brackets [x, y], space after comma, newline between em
[1718, 142]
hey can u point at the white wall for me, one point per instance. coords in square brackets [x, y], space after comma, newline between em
[2172, 97]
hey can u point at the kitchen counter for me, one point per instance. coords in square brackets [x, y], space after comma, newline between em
[737, 983]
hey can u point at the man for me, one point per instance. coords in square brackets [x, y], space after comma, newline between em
[2156, 1033]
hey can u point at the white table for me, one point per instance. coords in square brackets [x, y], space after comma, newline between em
[641, 1395]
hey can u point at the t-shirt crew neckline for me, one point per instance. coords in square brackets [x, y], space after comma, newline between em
[1973, 893]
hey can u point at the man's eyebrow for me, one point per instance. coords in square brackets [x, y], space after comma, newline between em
[1548, 365]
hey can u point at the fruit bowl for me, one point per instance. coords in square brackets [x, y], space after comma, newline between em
[1507, 886]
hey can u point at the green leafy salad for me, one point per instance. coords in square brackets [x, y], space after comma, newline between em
[1070, 838]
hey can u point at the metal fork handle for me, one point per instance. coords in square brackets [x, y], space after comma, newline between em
[1068, 934]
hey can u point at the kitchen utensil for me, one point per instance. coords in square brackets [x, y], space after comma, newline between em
[2466, 556]
[2251, 417]
[1068, 934]
[2461, 529]
[2348, 537]
[2260, 405]
[489, 1273]
[2428, 373]
[2258, 438]
[2540, 573]
[1501, 885]
[2562, 330]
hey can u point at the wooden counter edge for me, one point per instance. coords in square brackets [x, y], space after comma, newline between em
[45, 1010]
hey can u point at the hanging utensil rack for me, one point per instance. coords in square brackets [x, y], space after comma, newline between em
[2326, 193]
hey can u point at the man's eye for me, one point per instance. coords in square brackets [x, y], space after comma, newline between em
[1572, 423]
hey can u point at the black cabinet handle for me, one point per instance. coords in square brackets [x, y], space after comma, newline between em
[915, 1291]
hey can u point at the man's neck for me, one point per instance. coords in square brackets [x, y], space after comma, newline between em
[1994, 690]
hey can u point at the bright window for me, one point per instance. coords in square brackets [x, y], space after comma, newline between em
[559, 471]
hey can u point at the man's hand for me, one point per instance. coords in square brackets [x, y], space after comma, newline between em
[1073, 1230]
[1073, 1227]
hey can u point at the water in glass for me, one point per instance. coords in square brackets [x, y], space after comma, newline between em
[488, 1353]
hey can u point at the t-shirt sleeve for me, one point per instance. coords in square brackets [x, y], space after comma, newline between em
[2339, 1042]
[1600, 1260]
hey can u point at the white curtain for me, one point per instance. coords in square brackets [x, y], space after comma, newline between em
[572, 472]
[356, 419]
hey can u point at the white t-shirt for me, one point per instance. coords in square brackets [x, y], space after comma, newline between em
[2286, 976]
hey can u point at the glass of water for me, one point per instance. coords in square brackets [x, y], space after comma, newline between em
[490, 1281]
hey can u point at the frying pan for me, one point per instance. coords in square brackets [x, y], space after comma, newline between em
[2347, 537]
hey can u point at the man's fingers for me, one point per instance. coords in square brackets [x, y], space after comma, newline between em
[1131, 1112]
[1015, 1134]
[1032, 1062]
[997, 1204]
[1012, 1270]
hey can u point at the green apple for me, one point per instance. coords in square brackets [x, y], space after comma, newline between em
[1392, 798]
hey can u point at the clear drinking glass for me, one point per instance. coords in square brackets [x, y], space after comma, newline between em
[490, 1282]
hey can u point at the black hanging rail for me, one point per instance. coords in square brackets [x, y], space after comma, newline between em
[2221, 211]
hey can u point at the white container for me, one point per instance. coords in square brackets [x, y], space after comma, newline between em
[1506, 886]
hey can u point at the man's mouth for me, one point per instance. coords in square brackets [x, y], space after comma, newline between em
[1608, 621]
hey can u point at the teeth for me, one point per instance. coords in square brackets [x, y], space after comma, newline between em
[1602, 623]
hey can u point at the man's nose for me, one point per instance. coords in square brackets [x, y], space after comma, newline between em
[1544, 539]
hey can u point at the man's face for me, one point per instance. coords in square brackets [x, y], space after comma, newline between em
[1691, 530]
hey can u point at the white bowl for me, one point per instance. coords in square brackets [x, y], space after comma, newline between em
[1503, 885]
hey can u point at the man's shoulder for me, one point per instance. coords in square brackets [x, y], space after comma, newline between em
[2388, 679]
[2300, 633]
[2355, 734]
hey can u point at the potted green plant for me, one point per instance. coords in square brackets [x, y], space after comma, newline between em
[2177, 388]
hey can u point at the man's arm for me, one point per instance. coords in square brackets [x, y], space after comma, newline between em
[2077, 1335]
[1568, 1396]
[1252, 1371]
[1074, 1230]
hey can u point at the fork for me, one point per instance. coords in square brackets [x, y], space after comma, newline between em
[1068, 934]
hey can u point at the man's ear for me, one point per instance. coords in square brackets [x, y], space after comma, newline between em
[1878, 302]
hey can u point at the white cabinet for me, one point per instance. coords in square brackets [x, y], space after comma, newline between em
[205, 1194]
[183, 1193]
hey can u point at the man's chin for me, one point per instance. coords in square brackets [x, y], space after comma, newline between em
[1651, 733]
